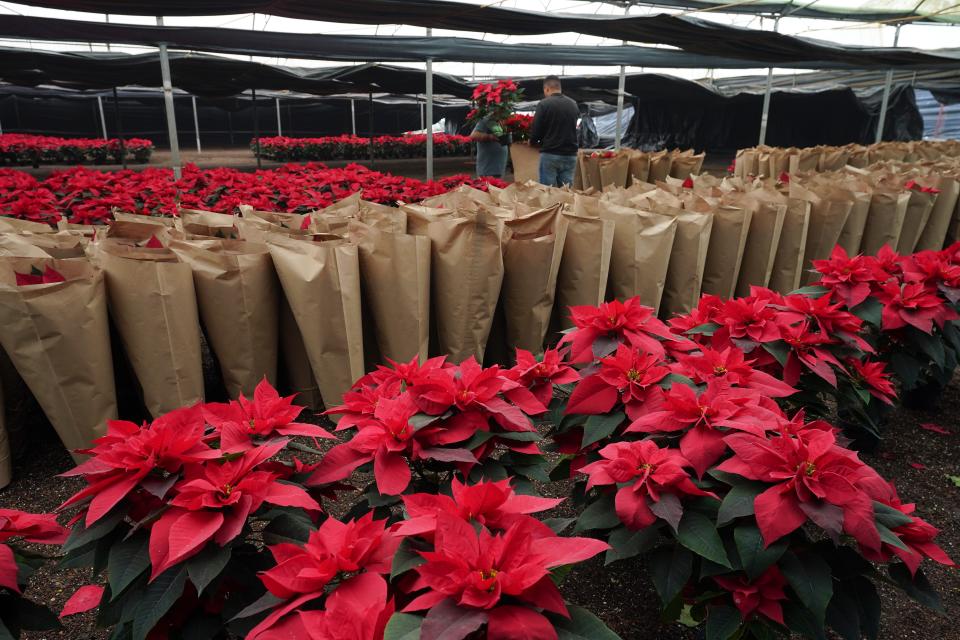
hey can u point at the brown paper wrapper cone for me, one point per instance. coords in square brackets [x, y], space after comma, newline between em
[132, 232]
[934, 234]
[833, 159]
[207, 223]
[590, 170]
[237, 296]
[15, 225]
[918, 212]
[660, 163]
[686, 164]
[746, 163]
[292, 221]
[614, 172]
[687, 261]
[804, 160]
[829, 209]
[788, 264]
[639, 167]
[86, 230]
[395, 273]
[526, 162]
[297, 374]
[953, 232]
[852, 233]
[16, 245]
[585, 265]
[466, 265]
[642, 246]
[153, 305]
[533, 248]
[884, 221]
[124, 216]
[58, 338]
[321, 281]
[760, 250]
[728, 238]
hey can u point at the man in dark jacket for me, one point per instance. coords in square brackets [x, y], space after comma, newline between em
[554, 130]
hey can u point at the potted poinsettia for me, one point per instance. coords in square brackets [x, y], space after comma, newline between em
[495, 103]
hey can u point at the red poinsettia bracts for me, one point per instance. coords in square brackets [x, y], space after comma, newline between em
[762, 596]
[478, 571]
[241, 423]
[812, 478]
[494, 505]
[873, 376]
[629, 376]
[913, 304]
[850, 279]
[214, 501]
[47, 276]
[706, 417]
[540, 376]
[652, 481]
[302, 574]
[600, 329]
[40, 528]
[144, 458]
[730, 366]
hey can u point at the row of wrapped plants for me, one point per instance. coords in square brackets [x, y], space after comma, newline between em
[88, 196]
[23, 149]
[704, 445]
[350, 147]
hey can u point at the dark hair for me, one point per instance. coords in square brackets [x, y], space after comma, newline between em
[552, 81]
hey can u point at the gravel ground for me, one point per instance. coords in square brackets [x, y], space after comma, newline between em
[622, 595]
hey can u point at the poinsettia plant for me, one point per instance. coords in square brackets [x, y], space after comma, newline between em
[495, 103]
[754, 522]
[418, 425]
[910, 304]
[17, 565]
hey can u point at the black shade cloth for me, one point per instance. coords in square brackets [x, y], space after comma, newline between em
[224, 122]
[705, 44]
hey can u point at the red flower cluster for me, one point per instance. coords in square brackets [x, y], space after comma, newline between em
[437, 412]
[666, 428]
[487, 562]
[518, 125]
[23, 149]
[350, 147]
[494, 101]
[185, 490]
[88, 196]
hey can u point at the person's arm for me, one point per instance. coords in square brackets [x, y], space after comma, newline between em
[479, 136]
[538, 128]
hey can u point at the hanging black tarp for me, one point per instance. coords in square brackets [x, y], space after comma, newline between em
[704, 44]
[690, 34]
[199, 74]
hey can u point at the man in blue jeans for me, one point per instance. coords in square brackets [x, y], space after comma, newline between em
[554, 130]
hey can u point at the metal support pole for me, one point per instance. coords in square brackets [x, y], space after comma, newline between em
[420, 107]
[429, 80]
[256, 128]
[353, 117]
[119, 123]
[279, 124]
[106, 18]
[168, 103]
[370, 132]
[765, 115]
[620, 91]
[196, 122]
[886, 93]
[103, 120]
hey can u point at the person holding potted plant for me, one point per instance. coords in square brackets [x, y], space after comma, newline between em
[493, 105]
[492, 151]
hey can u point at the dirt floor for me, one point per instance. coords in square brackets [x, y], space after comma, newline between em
[622, 594]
